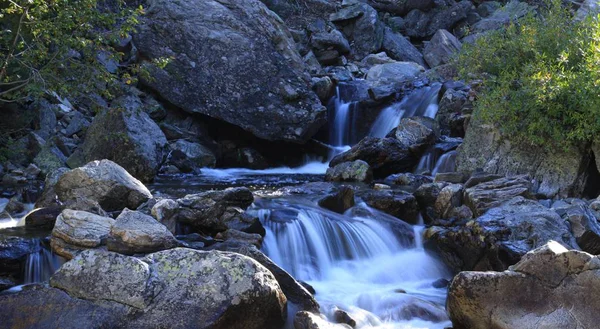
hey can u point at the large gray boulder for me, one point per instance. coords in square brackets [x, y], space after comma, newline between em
[135, 233]
[393, 73]
[232, 60]
[104, 182]
[76, 230]
[500, 237]
[557, 173]
[126, 135]
[400, 48]
[170, 288]
[551, 287]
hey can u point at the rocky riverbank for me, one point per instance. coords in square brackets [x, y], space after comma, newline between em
[261, 85]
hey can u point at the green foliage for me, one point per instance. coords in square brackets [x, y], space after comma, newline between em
[59, 45]
[541, 78]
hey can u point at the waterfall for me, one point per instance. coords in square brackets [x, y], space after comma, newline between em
[446, 163]
[341, 126]
[431, 162]
[421, 102]
[355, 263]
[40, 265]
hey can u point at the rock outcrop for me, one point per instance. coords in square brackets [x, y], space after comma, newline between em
[551, 287]
[234, 61]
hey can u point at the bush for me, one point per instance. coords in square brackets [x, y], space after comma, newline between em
[59, 45]
[541, 78]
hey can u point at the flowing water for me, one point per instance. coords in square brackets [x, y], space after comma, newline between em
[40, 265]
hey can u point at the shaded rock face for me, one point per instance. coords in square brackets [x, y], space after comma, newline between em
[355, 171]
[361, 24]
[399, 48]
[188, 156]
[486, 195]
[399, 204]
[401, 7]
[126, 135]
[557, 174]
[500, 237]
[256, 80]
[79, 230]
[441, 48]
[585, 227]
[212, 211]
[340, 201]
[105, 182]
[386, 156]
[421, 25]
[164, 288]
[13, 251]
[134, 233]
[551, 287]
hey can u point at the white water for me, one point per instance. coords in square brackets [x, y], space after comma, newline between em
[429, 163]
[40, 266]
[356, 264]
[421, 102]
[17, 219]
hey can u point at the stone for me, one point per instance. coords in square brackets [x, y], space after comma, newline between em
[449, 198]
[427, 194]
[394, 73]
[421, 25]
[76, 230]
[385, 156]
[14, 251]
[332, 39]
[49, 197]
[239, 63]
[400, 204]
[500, 237]
[126, 135]
[206, 210]
[400, 48]
[402, 7]
[42, 217]
[307, 320]
[50, 158]
[136, 233]
[408, 179]
[188, 156]
[512, 11]
[165, 211]
[354, 171]
[239, 237]
[362, 26]
[441, 48]
[105, 182]
[585, 228]
[340, 201]
[77, 124]
[484, 196]
[417, 133]
[561, 292]
[342, 316]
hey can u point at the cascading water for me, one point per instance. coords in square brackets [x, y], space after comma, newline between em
[40, 266]
[432, 163]
[341, 127]
[421, 102]
[356, 263]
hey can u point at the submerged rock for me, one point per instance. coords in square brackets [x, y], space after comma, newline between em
[399, 204]
[551, 287]
[339, 202]
[234, 61]
[105, 182]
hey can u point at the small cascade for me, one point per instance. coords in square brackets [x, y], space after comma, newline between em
[446, 163]
[355, 263]
[341, 125]
[421, 102]
[40, 265]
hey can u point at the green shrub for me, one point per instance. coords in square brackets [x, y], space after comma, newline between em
[541, 78]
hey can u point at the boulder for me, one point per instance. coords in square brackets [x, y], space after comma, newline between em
[231, 60]
[402, 7]
[333, 39]
[206, 210]
[500, 237]
[441, 48]
[361, 24]
[421, 25]
[188, 156]
[48, 197]
[585, 227]
[136, 233]
[339, 202]
[399, 204]
[126, 135]
[42, 217]
[355, 171]
[307, 320]
[449, 198]
[486, 195]
[512, 11]
[241, 238]
[105, 182]
[394, 73]
[385, 156]
[400, 48]
[551, 287]
[416, 133]
[408, 179]
[76, 230]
